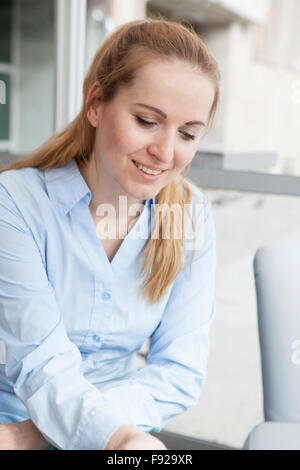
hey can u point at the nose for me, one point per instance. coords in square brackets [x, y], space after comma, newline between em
[163, 148]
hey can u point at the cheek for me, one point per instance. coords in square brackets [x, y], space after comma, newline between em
[183, 157]
[125, 137]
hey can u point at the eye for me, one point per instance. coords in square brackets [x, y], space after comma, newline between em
[143, 122]
[187, 136]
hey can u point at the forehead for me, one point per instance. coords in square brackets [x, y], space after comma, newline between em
[176, 87]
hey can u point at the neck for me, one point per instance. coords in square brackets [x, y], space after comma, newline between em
[122, 205]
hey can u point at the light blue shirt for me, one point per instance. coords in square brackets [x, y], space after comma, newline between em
[71, 322]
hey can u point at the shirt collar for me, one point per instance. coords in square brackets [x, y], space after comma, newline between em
[66, 187]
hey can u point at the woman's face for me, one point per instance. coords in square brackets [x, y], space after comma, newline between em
[155, 122]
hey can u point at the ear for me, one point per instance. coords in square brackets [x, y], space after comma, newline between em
[94, 105]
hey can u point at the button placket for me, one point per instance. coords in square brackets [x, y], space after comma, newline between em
[106, 296]
[101, 314]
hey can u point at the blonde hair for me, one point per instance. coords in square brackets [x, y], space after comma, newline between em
[115, 64]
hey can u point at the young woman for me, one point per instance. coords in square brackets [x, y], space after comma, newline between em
[75, 304]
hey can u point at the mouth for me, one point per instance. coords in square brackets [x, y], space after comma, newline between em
[148, 167]
[146, 172]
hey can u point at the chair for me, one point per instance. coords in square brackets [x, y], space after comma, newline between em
[277, 281]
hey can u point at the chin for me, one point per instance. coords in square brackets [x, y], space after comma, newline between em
[141, 194]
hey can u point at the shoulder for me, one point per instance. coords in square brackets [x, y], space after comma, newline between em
[197, 194]
[203, 232]
[23, 184]
[23, 196]
[21, 177]
[200, 205]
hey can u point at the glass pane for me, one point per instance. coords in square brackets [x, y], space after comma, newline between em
[36, 72]
[99, 25]
[5, 107]
[31, 88]
[5, 30]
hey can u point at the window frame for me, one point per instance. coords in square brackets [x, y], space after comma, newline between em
[70, 33]
[248, 181]
[11, 69]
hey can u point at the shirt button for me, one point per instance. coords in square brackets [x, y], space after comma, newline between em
[106, 296]
[96, 338]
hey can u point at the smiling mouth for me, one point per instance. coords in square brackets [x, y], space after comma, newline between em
[147, 169]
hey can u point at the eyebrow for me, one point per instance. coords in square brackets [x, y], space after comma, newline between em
[159, 111]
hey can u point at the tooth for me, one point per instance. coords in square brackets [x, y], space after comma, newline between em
[148, 170]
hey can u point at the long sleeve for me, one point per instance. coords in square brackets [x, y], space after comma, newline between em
[44, 365]
[41, 361]
[174, 375]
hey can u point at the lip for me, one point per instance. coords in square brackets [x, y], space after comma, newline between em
[146, 176]
[151, 167]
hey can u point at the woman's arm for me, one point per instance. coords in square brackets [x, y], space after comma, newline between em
[44, 365]
[26, 436]
[22, 436]
[40, 360]
[129, 437]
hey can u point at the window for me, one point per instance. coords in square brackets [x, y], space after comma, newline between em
[27, 59]
[279, 36]
[99, 25]
[6, 73]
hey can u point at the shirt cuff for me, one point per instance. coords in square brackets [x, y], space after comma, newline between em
[125, 404]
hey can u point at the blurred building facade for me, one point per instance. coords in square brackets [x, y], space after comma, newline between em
[256, 45]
